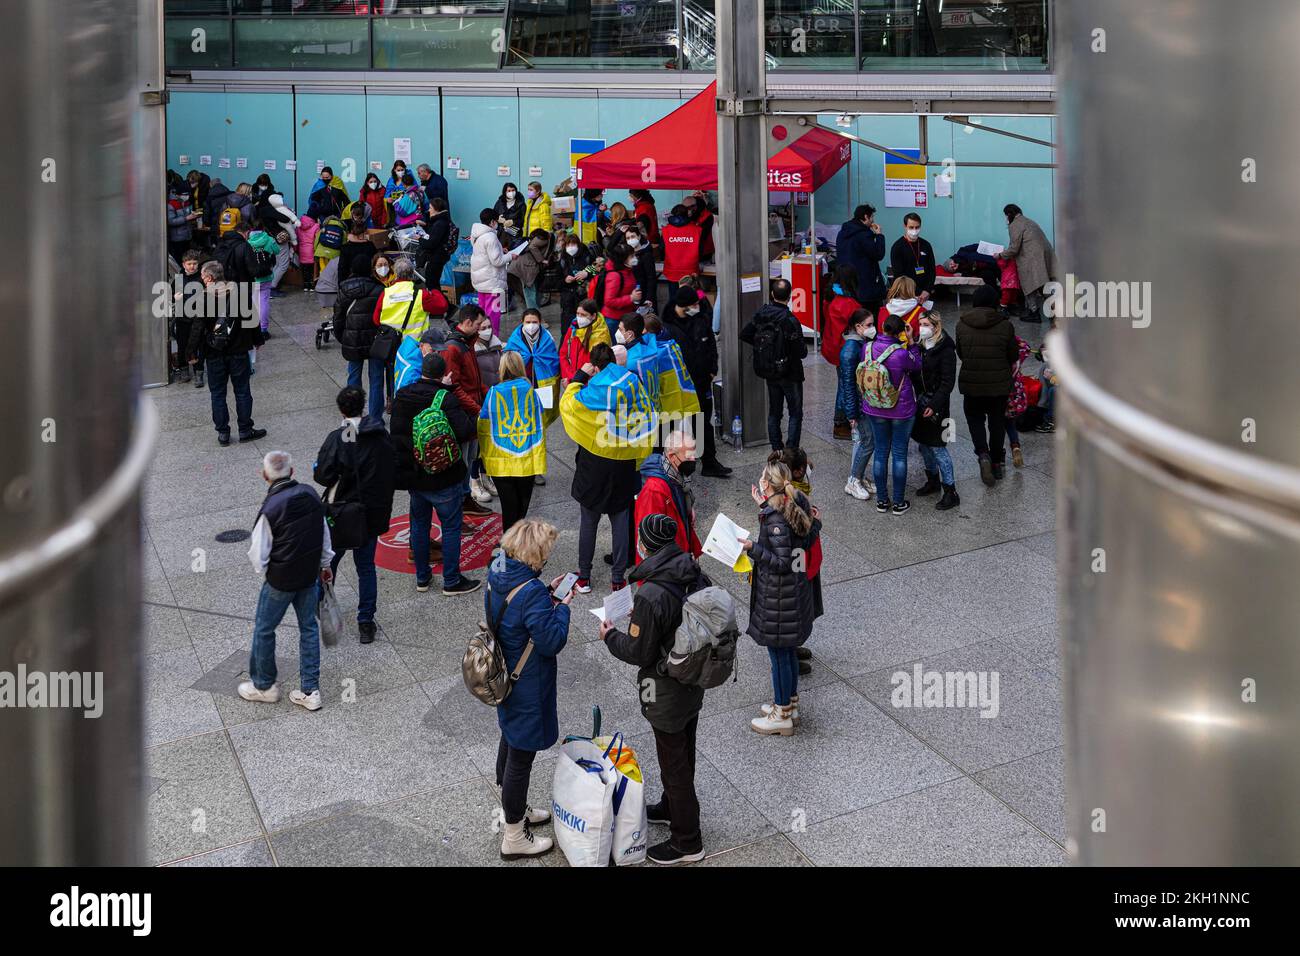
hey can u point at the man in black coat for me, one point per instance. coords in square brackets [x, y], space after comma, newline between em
[779, 351]
[687, 325]
[913, 257]
[861, 244]
[356, 463]
[986, 345]
[235, 254]
[227, 327]
[666, 576]
[442, 492]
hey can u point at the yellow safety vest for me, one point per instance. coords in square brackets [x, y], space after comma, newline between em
[396, 299]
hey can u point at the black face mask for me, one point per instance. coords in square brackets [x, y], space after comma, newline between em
[686, 468]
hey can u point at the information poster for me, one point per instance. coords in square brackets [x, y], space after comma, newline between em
[402, 149]
[905, 183]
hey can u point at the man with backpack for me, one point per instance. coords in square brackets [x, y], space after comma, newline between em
[467, 381]
[666, 576]
[227, 331]
[238, 258]
[779, 351]
[356, 464]
[429, 428]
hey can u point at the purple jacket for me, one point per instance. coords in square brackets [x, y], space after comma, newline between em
[900, 363]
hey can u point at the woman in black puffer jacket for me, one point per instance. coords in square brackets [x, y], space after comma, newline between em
[354, 330]
[933, 385]
[781, 607]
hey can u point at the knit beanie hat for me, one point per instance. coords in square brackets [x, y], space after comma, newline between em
[657, 532]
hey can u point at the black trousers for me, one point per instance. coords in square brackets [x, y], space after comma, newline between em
[677, 769]
[992, 409]
[705, 393]
[514, 768]
[515, 494]
[791, 394]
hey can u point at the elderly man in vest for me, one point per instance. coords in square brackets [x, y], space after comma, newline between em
[291, 547]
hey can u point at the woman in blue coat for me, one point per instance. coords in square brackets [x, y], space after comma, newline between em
[848, 401]
[521, 610]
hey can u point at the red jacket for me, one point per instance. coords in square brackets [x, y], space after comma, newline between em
[619, 284]
[654, 498]
[646, 209]
[466, 378]
[575, 350]
[913, 320]
[838, 313]
[705, 221]
[374, 198]
[681, 251]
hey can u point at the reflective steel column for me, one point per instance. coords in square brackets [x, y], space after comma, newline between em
[76, 440]
[1179, 496]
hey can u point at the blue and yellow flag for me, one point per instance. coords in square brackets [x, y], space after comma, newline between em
[510, 431]
[542, 361]
[611, 416]
[648, 359]
[677, 394]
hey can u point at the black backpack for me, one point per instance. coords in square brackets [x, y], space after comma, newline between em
[263, 263]
[453, 239]
[770, 359]
[354, 326]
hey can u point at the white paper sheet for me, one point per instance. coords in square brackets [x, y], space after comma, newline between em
[723, 543]
[617, 606]
[547, 396]
[989, 248]
[519, 248]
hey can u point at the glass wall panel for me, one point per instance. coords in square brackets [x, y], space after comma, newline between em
[292, 43]
[809, 34]
[305, 8]
[953, 35]
[610, 34]
[199, 43]
[219, 7]
[437, 43]
[426, 8]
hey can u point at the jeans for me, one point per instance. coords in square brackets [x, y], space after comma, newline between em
[993, 408]
[1013, 433]
[940, 460]
[377, 375]
[620, 525]
[677, 769]
[448, 504]
[516, 494]
[363, 558]
[862, 448]
[791, 393]
[530, 296]
[235, 369]
[1049, 402]
[514, 768]
[271, 605]
[891, 435]
[785, 674]
[468, 454]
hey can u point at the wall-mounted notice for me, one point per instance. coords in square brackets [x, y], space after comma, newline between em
[905, 183]
[402, 148]
[462, 174]
[183, 159]
[223, 162]
[534, 170]
[320, 164]
[376, 165]
[453, 162]
[268, 164]
[241, 162]
[291, 165]
[205, 160]
[503, 170]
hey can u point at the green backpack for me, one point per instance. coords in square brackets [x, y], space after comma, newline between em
[432, 439]
[877, 388]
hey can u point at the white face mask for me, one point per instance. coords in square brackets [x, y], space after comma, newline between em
[926, 331]
[871, 332]
[571, 250]
[913, 233]
[620, 338]
[582, 320]
[510, 194]
[531, 329]
[693, 310]
[632, 262]
[381, 271]
[485, 335]
[634, 242]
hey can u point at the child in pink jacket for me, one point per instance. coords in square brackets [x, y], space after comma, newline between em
[307, 229]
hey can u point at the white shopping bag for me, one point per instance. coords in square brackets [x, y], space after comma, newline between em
[582, 803]
[331, 617]
[630, 823]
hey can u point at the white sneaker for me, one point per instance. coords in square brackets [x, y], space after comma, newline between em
[248, 690]
[794, 709]
[519, 842]
[854, 488]
[489, 485]
[309, 701]
[775, 721]
[869, 486]
[479, 492]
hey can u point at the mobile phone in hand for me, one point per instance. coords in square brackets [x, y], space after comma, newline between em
[565, 586]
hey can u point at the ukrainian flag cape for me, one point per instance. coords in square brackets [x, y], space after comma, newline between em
[611, 416]
[543, 363]
[511, 438]
[648, 359]
[676, 389]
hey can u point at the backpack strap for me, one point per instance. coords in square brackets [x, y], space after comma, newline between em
[436, 405]
[528, 648]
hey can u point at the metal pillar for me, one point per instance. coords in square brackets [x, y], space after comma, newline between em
[1179, 497]
[77, 441]
[149, 233]
[741, 233]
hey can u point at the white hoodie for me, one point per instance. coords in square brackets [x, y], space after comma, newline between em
[487, 264]
[291, 226]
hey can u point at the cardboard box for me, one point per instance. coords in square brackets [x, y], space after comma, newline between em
[379, 238]
[562, 204]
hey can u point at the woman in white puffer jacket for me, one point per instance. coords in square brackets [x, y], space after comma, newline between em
[487, 267]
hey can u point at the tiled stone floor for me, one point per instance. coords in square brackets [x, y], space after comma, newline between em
[396, 768]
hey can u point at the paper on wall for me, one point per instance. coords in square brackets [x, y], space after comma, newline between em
[751, 283]
[617, 606]
[942, 186]
[183, 159]
[723, 542]
[241, 162]
[534, 170]
[462, 174]
[205, 160]
[291, 165]
[989, 248]
[402, 148]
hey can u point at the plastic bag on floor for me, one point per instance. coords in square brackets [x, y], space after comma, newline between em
[582, 803]
[331, 618]
[630, 822]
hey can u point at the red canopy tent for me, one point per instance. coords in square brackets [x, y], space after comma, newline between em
[684, 149]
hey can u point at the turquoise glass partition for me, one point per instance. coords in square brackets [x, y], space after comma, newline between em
[331, 128]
